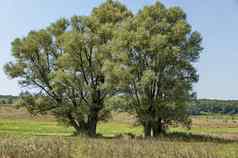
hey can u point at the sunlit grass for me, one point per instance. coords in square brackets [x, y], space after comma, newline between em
[36, 127]
[33, 127]
[114, 128]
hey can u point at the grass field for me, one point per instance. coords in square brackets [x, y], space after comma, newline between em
[19, 122]
[210, 136]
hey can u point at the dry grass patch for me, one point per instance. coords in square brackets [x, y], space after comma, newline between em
[15, 147]
[146, 149]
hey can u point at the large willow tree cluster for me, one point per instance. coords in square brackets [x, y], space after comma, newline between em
[76, 65]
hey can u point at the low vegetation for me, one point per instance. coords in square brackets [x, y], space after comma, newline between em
[79, 147]
[35, 137]
[154, 149]
[16, 147]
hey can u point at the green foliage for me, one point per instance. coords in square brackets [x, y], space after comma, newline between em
[111, 12]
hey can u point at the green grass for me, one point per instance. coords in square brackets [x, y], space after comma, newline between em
[114, 128]
[35, 127]
[30, 132]
[30, 127]
[19, 122]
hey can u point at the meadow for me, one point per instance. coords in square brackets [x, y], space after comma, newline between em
[23, 135]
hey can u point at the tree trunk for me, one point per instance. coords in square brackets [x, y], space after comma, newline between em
[79, 126]
[157, 128]
[81, 129]
[92, 123]
[147, 129]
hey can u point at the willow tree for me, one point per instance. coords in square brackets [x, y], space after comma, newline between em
[156, 50]
[65, 65]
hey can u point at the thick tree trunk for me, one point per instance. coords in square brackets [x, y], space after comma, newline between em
[92, 124]
[147, 129]
[81, 130]
[86, 127]
[93, 115]
[79, 126]
[157, 128]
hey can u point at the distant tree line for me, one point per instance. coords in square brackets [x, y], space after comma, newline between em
[196, 107]
[7, 99]
[207, 106]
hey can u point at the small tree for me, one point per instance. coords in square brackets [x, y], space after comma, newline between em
[65, 62]
[156, 50]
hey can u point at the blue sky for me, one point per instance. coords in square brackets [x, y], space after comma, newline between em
[216, 20]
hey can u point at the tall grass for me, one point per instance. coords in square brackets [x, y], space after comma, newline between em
[77, 147]
[15, 147]
[145, 149]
